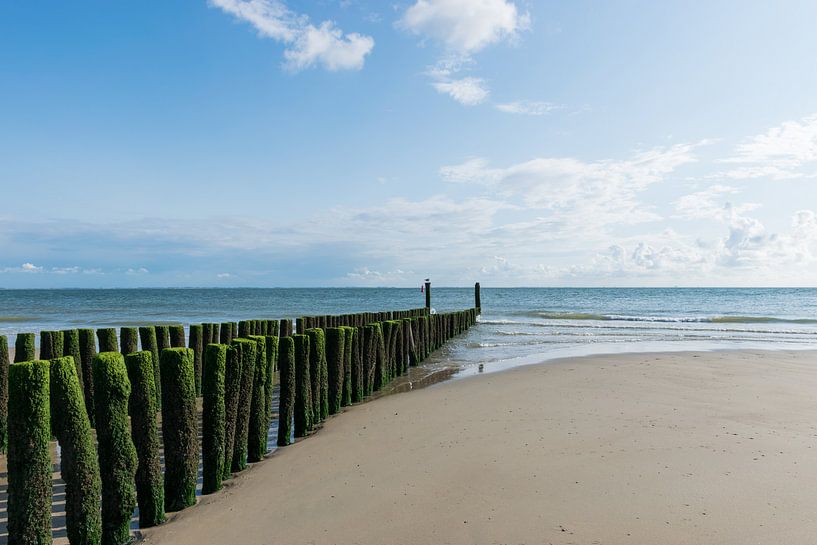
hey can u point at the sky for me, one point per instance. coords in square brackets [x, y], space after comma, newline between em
[368, 143]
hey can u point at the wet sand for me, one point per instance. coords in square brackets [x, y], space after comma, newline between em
[674, 448]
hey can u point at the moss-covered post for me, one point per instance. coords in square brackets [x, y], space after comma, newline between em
[226, 333]
[213, 416]
[317, 360]
[24, 347]
[214, 333]
[177, 336]
[71, 348]
[242, 421]
[304, 407]
[29, 461]
[335, 355]
[272, 364]
[150, 490]
[348, 351]
[259, 425]
[206, 335]
[197, 343]
[107, 339]
[4, 392]
[357, 366]
[162, 338]
[117, 455]
[243, 329]
[129, 340]
[79, 467]
[148, 337]
[87, 351]
[232, 392]
[51, 345]
[286, 394]
[369, 359]
[179, 428]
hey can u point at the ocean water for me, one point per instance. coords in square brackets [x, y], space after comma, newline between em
[517, 326]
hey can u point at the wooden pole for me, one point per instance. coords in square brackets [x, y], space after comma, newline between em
[477, 302]
[428, 295]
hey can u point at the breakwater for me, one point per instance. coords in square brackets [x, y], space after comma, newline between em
[120, 402]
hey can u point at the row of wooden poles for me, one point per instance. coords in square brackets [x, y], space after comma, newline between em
[329, 362]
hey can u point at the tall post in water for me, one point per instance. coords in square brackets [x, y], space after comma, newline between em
[477, 301]
[428, 294]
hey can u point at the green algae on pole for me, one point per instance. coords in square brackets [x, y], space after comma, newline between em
[24, 347]
[117, 455]
[4, 392]
[272, 361]
[226, 333]
[107, 340]
[29, 460]
[258, 425]
[357, 389]
[179, 428]
[304, 408]
[87, 353]
[129, 340]
[162, 338]
[317, 363]
[286, 395]
[51, 345]
[232, 392]
[149, 486]
[335, 355]
[71, 348]
[349, 349]
[199, 338]
[177, 336]
[147, 335]
[213, 416]
[79, 467]
[248, 350]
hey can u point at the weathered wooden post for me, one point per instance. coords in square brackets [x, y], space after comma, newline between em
[477, 300]
[117, 454]
[29, 462]
[150, 492]
[24, 348]
[79, 467]
[213, 416]
[428, 294]
[286, 374]
[179, 427]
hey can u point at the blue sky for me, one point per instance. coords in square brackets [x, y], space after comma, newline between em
[352, 142]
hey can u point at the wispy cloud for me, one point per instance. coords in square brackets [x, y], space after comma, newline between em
[528, 107]
[307, 45]
[466, 91]
[780, 153]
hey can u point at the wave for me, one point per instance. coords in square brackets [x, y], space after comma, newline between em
[584, 316]
[16, 319]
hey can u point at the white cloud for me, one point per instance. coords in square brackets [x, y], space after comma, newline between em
[30, 267]
[307, 45]
[779, 153]
[138, 270]
[579, 194]
[527, 107]
[465, 26]
[466, 91]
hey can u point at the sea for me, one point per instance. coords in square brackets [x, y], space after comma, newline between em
[517, 325]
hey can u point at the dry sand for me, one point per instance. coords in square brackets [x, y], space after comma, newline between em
[693, 448]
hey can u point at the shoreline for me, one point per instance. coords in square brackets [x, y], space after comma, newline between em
[680, 447]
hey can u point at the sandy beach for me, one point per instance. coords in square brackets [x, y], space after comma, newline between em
[670, 448]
